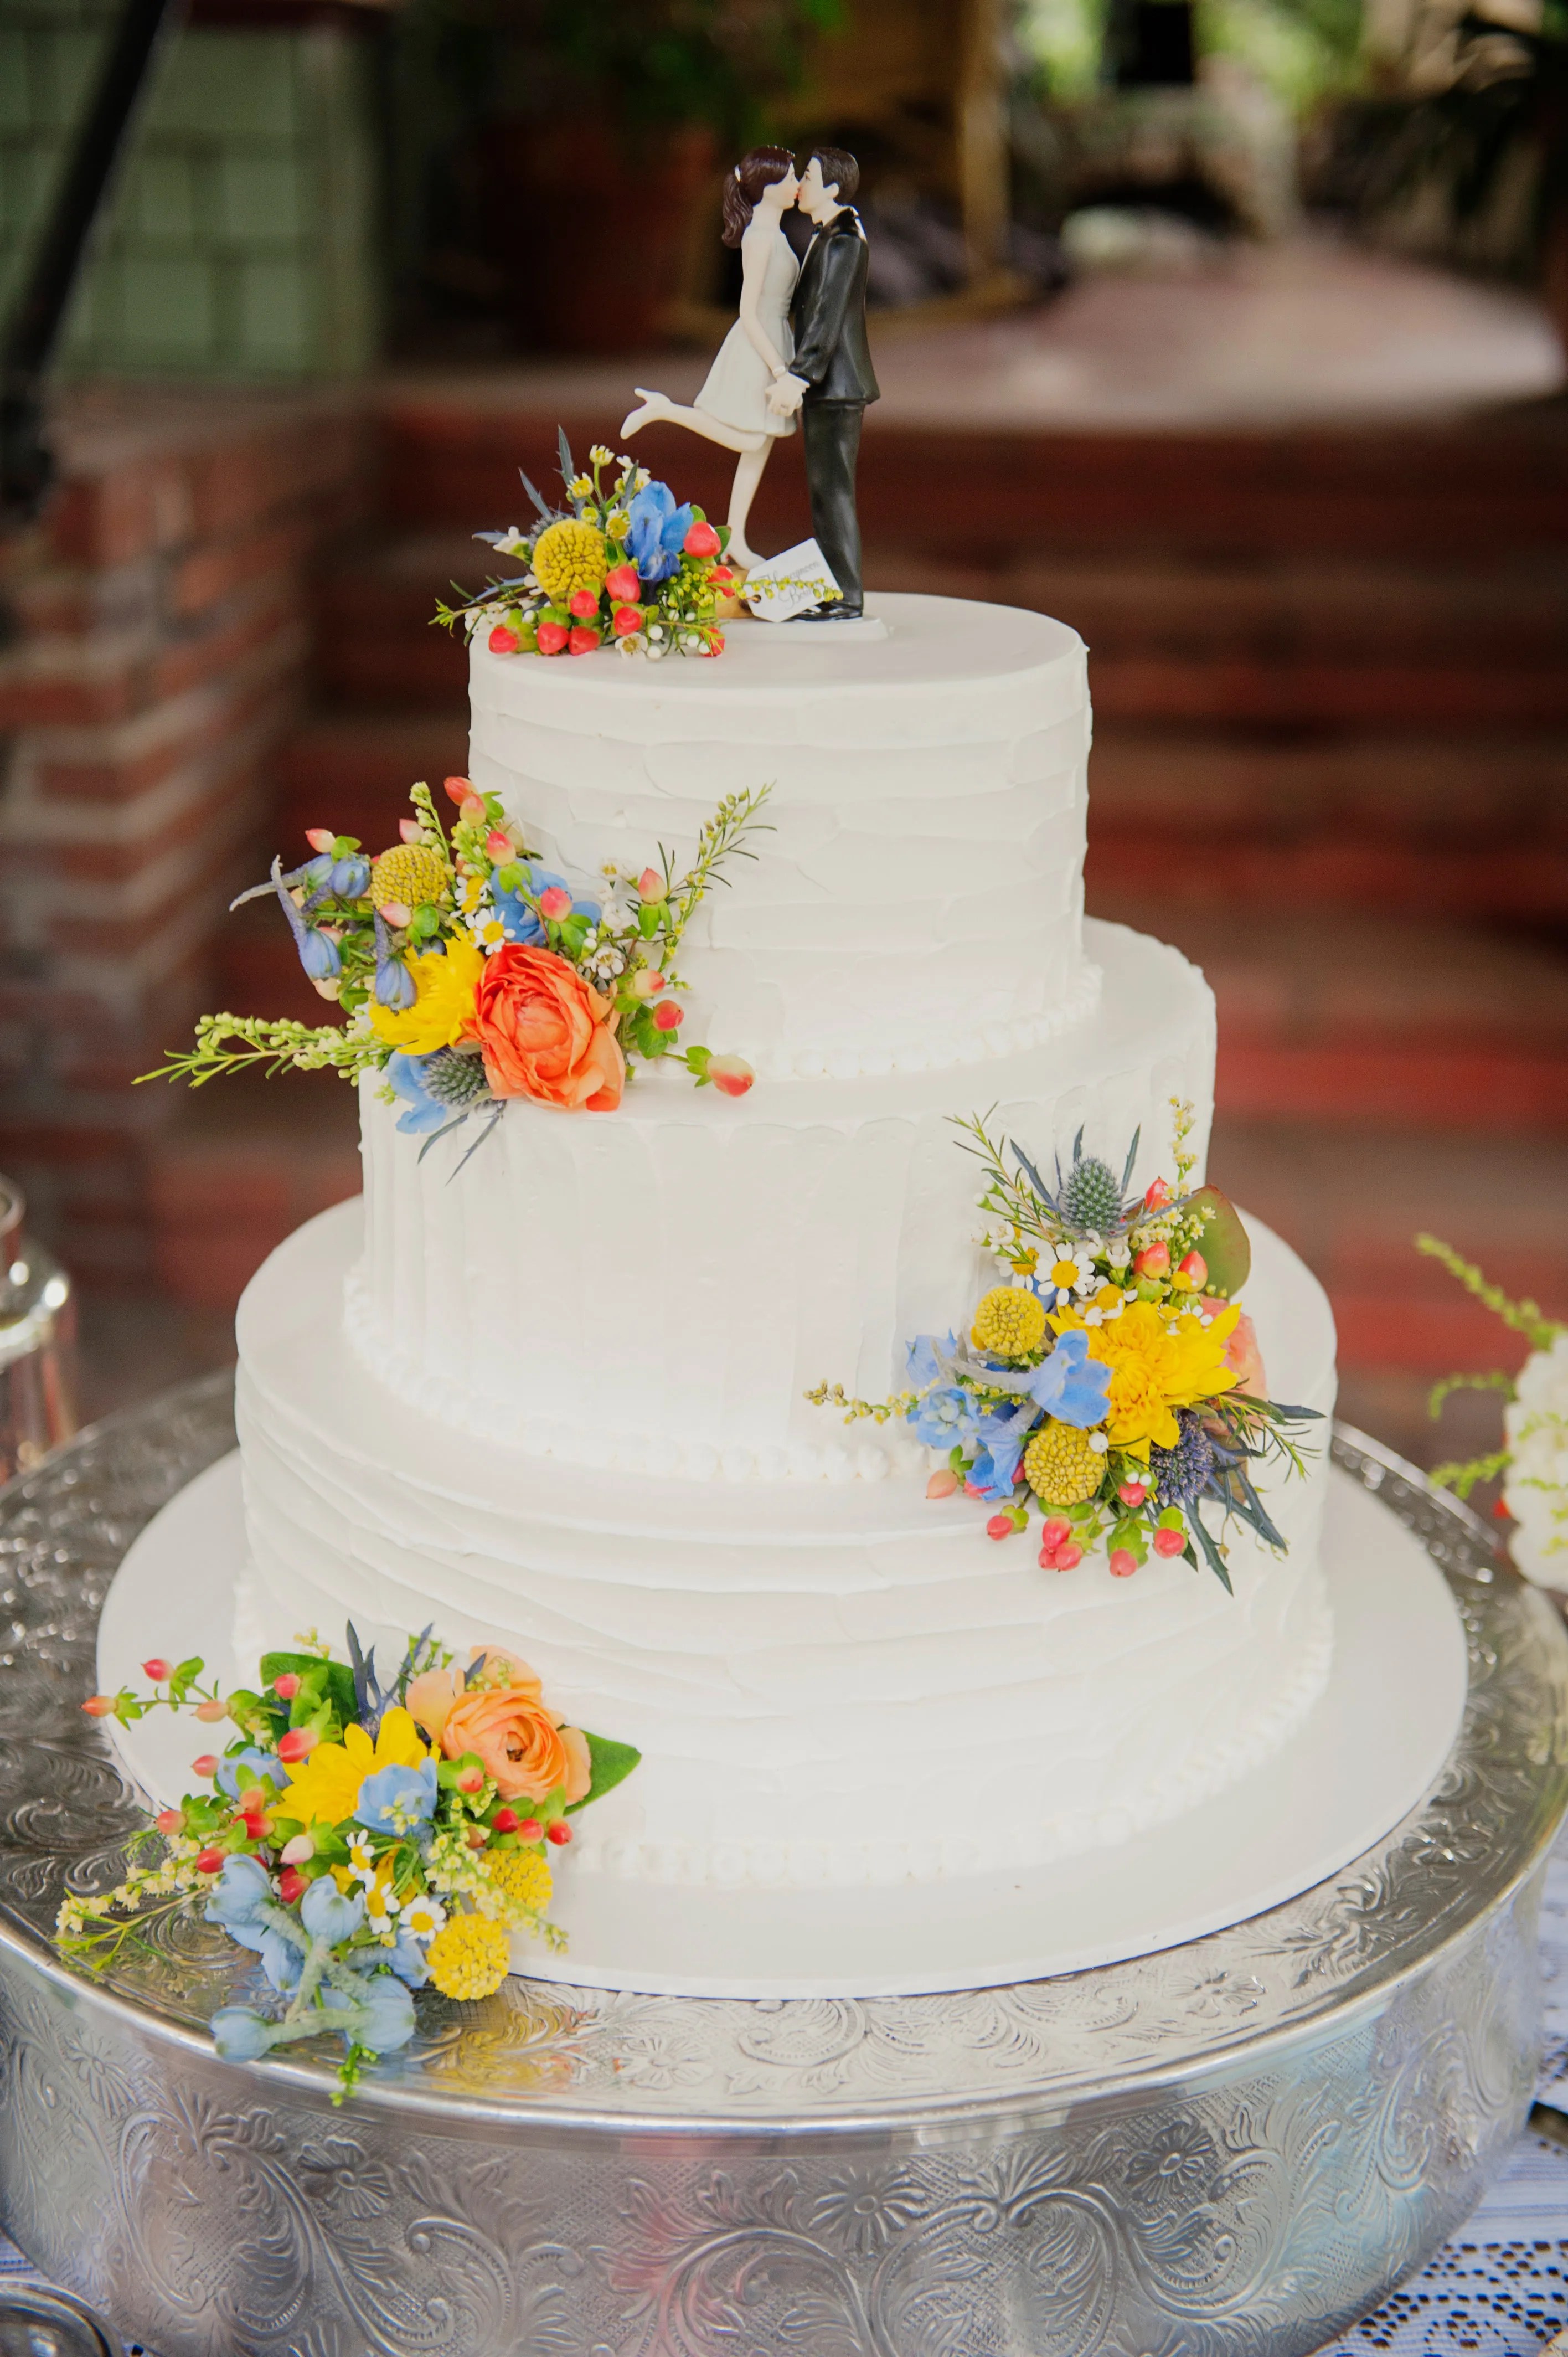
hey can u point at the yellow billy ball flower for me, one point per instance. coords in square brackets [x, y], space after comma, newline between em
[411, 873]
[1010, 1320]
[522, 1877]
[569, 556]
[443, 1009]
[1061, 1466]
[468, 1957]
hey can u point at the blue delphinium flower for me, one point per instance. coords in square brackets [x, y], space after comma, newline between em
[924, 1357]
[942, 1418]
[326, 1914]
[405, 1075]
[995, 1472]
[407, 1961]
[395, 1800]
[1070, 1385]
[385, 2011]
[263, 1763]
[235, 1900]
[521, 923]
[240, 2035]
[658, 529]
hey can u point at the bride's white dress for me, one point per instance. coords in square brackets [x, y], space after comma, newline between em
[736, 387]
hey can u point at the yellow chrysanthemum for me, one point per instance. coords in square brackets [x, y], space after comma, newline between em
[1010, 1320]
[568, 556]
[443, 1009]
[522, 1877]
[1158, 1363]
[410, 873]
[325, 1788]
[468, 1957]
[1062, 1469]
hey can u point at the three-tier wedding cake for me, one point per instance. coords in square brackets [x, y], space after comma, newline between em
[552, 1390]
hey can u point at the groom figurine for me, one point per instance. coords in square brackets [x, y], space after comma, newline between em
[829, 379]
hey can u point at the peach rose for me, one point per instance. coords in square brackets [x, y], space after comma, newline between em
[430, 1698]
[545, 1033]
[1242, 1352]
[522, 1746]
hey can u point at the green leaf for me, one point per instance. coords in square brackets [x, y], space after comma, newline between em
[611, 1764]
[185, 1671]
[317, 1679]
[648, 918]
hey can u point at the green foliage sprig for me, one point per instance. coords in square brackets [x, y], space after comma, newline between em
[277, 1043]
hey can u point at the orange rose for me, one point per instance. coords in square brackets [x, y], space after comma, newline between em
[1242, 1352]
[523, 1746]
[545, 1033]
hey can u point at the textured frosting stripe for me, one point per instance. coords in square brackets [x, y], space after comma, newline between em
[658, 1288]
[919, 901]
[843, 1637]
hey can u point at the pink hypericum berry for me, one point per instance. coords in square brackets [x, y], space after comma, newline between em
[1154, 1259]
[583, 603]
[1000, 1526]
[297, 1744]
[1195, 1268]
[409, 830]
[1156, 1195]
[552, 637]
[210, 1861]
[99, 1706]
[560, 1832]
[320, 838]
[210, 1711]
[623, 584]
[299, 1851]
[733, 1074]
[1123, 1563]
[458, 789]
[471, 808]
[286, 1685]
[1133, 1494]
[555, 902]
[396, 913]
[158, 1669]
[477, 1836]
[471, 1779]
[498, 845]
[503, 641]
[651, 885]
[505, 1821]
[583, 642]
[626, 621]
[170, 1821]
[205, 1764]
[531, 1830]
[668, 1017]
[702, 540]
[1056, 1531]
[292, 1885]
[1168, 1541]
[942, 1484]
[1068, 1555]
[646, 983]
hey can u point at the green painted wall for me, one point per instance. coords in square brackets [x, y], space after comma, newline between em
[241, 238]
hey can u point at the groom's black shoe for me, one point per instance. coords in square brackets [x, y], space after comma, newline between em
[833, 609]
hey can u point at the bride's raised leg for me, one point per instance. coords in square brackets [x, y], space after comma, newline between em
[658, 409]
[747, 475]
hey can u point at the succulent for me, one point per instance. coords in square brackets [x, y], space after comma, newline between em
[1182, 1473]
[568, 556]
[1011, 1321]
[408, 875]
[1088, 1201]
[454, 1079]
[1061, 1466]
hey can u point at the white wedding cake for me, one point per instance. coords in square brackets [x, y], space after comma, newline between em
[552, 1391]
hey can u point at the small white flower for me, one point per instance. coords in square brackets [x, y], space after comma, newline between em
[362, 1858]
[1119, 1253]
[424, 1917]
[1069, 1272]
[1099, 1443]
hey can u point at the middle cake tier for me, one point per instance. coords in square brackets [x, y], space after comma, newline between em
[656, 1290]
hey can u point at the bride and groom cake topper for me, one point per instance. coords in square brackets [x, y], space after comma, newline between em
[799, 349]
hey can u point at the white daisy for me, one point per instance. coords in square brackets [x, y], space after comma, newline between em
[424, 1917]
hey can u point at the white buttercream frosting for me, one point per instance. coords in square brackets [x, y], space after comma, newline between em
[918, 901]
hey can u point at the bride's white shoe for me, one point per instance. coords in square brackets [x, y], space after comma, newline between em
[654, 404]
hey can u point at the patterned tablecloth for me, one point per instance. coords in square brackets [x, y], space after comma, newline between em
[1500, 2287]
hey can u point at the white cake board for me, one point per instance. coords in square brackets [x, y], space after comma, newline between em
[1367, 1753]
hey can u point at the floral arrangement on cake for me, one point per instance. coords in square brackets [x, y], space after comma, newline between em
[622, 565]
[362, 1842]
[1533, 1463]
[1113, 1383]
[472, 975]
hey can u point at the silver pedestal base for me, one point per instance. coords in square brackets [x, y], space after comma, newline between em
[1236, 2146]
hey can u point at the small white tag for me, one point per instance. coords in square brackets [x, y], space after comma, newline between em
[806, 572]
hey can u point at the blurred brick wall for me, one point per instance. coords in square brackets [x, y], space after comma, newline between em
[242, 238]
[162, 651]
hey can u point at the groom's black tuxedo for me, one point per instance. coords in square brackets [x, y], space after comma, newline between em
[832, 355]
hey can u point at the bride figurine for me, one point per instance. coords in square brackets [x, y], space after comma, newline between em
[732, 407]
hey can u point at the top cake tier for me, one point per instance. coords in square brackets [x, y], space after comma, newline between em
[919, 900]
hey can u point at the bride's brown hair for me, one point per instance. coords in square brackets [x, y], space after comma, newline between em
[755, 172]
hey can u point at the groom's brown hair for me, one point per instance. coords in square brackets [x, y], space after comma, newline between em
[839, 170]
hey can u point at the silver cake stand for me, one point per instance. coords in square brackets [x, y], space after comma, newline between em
[1241, 2145]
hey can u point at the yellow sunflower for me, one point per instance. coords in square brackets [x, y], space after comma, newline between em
[325, 1788]
[444, 1009]
[1157, 1364]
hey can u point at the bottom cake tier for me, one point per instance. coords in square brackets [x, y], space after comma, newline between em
[829, 1683]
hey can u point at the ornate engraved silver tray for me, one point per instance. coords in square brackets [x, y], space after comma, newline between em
[1236, 2146]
